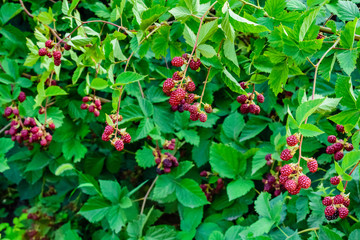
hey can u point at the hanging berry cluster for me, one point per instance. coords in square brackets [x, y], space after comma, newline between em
[272, 183]
[214, 186]
[56, 53]
[338, 146]
[181, 98]
[289, 152]
[165, 161]
[247, 101]
[26, 130]
[269, 159]
[94, 106]
[111, 134]
[336, 206]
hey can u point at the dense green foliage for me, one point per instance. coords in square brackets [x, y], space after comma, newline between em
[301, 55]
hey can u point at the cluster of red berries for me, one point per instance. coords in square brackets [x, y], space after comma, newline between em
[110, 134]
[50, 82]
[170, 145]
[247, 103]
[164, 161]
[269, 159]
[336, 206]
[211, 189]
[38, 219]
[94, 106]
[25, 130]
[293, 179]
[194, 63]
[292, 142]
[338, 146]
[56, 53]
[272, 183]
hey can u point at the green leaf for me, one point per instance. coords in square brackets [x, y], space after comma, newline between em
[72, 6]
[347, 35]
[38, 162]
[189, 193]
[274, 7]
[151, 15]
[206, 50]
[145, 158]
[55, 114]
[144, 128]
[80, 41]
[354, 235]
[74, 148]
[252, 128]
[310, 130]
[182, 169]
[238, 188]
[230, 129]
[261, 226]
[45, 17]
[295, 5]
[278, 77]
[348, 119]
[350, 159]
[111, 190]
[243, 25]
[307, 22]
[225, 160]
[190, 218]
[262, 205]
[98, 84]
[229, 51]
[146, 107]
[180, 13]
[341, 172]
[302, 207]
[95, 209]
[347, 60]
[191, 136]
[189, 36]
[128, 77]
[227, 28]
[231, 82]
[8, 11]
[328, 234]
[5, 145]
[306, 109]
[207, 30]
[54, 91]
[355, 139]
[116, 217]
[344, 90]
[347, 11]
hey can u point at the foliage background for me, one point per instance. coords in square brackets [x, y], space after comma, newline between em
[99, 192]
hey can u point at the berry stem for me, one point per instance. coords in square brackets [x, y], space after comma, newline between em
[206, 79]
[47, 99]
[195, 45]
[4, 128]
[308, 230]
[117, 112]
[352, 170]
[353, 218]
[147, 194]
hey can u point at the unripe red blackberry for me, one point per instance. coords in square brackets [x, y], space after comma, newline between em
[97, 103]
[85, 99]
[186, 106]
[105, 137]
[244, 108]
[24, 133]
[96, 113]
[193, 109]
[335, 180]
[14, 123]
[167, 170]
[312, 165]
[194, 116]
[57, 55]
[49, 54]
[190, 98]
[108, 130]
[179, 94]
[286, 155]
[126, 138]
[185, 56]
[338, 156]
[52, 126]
[190, 86]
[119, 145]
[173, 101]
[243, 85]
[338, 199]
[331, 139]
[349, 147]
[176, 76]
[252, 108]
[34, 129]
[268, 157]
[330, 149]
[283, 179]
[208, 108]
[168, 85]
[268, 187]
[330, 210]
[195, 65]
[242, 98]
[340, 128]
[296, 191]
[8, 111]
[271, 179]
[84, 106]
[286, 170]
[167, 163]
[67, 47]
[43, 142]
[304, 181]
[260, 98]
[15, 111]
[91, 108]
[346, 202]
[292, 140]
[269, 163]
[49, 44]
[48, 138]
[203, 173]
[338, 146]
[177, 61]
[327, 201]
[277, 192]
[343, 212]
[202, 117]
[42, 52]
[22, 97]
[290, 185]
[257, 110]
[57, 62]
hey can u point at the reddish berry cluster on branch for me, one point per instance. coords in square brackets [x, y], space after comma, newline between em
[164, 161]
[170, 145]
[94, 106]
[336, 206]
[111, 134]
[247, 103]
[56, 53]
[338, 146]
[272, 183]
[292, 142]
[211, 189]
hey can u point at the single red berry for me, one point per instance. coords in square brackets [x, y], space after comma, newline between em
[331, 139]
[57, 62]
[286, 170]
[43, 142]
[292, 140]
[105, 137]
[49, 44]
[202, 117]
[49, 54]
[108, 130]
[22, 97]
[67, 47]
[84, 106]
[167, 170]
[208, 108]
[194, 116]
[330, 210]
[330, 149]
[185, 56]
[14, 123]
[244, 108]
[176, 76]
[338, 156]
[252, 108]
[340, 128]
[96, 113]
[190, 98]
[8, 111]
[312, 165]
[193, 109]
[286, 155]
[338, 199]
[290, 185]
[186, 106]
[271, 179]
[346, 202]
[173, 101]
[15, 111]
[48, 138]
[277, 192]
[179, 94]
[190, 86]
[168, 85]
[34, 129]
[203, 173]
[304, 181]
[126, 138]
[57, 55]
[97, 103]
[335, 180]
[42, 52]
[85, 99]
[91, 108]
[52, 125]
[260, 98]
[119, 145]
[243, 85]
[296, 191]
[195, 65]
[349, 147]
[268, 157]
[327, 201]
[343, 212]
[24, 133]
[338, 146]
[177, 61]
[283, 179]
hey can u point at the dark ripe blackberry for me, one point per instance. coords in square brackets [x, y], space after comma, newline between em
[194, 116]
[340, 128]
[244, 108]
[332, 217]
[268, 157]
[22, 97]
[271, 179]
[181, 108]
[57, 55]
[84, 106]
[277, 192]
[331, 139]
[268, 187]
[67, 47]
[195, 65]
[159, 171]
[260, 98]
[167, 163]
[242, 99]
[176, 76]
[208, 108]
[8, 111]
[49, 44]
[126, 138]
[202, 117]
[42, 52]
[190, 86]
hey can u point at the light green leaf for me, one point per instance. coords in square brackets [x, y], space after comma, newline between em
[350, 159]
[229, 51]
[344, 90]
[348, 119]
[54, 91]
[232, 83]
[151, 15]
[274, 7]
[206, 50]
[189, 193]
[189, 36]
[95, 209]
[310, 130]
[347, 60]
[111, 190]
[128, 77]
[225, 160]
[243, 25]
[306, 109]
[347, 35]
[307, 22]
[238, 188]
[347, 10]
[62, 168]
[207, 30]
[180, 13]
[145, 158]
[278, 77]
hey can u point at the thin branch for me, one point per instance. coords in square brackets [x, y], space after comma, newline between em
[352, 170]
[206, 79]
[26, 11]
[147, 194]
[4, 128]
